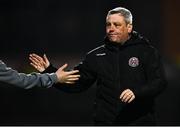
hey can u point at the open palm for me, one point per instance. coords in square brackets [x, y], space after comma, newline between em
[38, 62]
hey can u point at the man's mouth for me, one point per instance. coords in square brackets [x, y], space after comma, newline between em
[112, 34]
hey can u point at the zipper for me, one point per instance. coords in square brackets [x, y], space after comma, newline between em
[118, 71]
[118, 80]
[120, 104]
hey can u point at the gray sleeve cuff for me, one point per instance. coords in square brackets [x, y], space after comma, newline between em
[53, 77]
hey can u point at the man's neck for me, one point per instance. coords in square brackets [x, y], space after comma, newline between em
[122, 43]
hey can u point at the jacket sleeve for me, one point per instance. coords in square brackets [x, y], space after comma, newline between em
[26, 81]
[50, 69]
[87, 76]
[155, 75]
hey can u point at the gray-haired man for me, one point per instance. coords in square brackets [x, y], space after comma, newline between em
[127, 70]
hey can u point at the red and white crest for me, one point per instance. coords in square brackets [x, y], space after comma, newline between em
[133, 62]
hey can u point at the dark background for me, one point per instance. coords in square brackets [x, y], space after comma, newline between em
[65, 30]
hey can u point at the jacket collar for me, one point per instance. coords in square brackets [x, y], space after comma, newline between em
[135, 38]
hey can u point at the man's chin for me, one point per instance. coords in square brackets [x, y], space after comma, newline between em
[113, 40]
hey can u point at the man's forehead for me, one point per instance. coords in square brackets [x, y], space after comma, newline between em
[115, 17]
[116, 14]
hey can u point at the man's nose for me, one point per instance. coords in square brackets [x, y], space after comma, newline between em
[112, 28]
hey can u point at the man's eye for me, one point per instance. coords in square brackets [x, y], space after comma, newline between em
[108, 24]
[117, 24]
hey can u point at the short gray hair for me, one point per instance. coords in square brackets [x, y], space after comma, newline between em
[124, 12]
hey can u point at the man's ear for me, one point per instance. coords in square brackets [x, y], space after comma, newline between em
[130, 27]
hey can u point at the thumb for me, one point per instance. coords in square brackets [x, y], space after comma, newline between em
[45, 58]
[63, 67]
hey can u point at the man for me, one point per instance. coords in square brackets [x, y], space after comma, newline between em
[127, 70]
[28, 81]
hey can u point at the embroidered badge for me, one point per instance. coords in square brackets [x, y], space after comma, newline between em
[133, 62]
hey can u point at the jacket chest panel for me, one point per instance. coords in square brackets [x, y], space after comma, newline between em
[131, 68]
[107, 66]
[117, 63]
[121, 65]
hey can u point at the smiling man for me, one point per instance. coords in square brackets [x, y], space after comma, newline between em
[127, 70]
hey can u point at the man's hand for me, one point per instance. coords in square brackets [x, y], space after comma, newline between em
[39, 63]
[127, 96]
[67, 77]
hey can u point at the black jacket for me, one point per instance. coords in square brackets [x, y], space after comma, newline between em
[135, 65]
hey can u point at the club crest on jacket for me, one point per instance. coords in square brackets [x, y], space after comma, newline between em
[133, 62]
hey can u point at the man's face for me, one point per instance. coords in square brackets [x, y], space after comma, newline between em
[117, 29]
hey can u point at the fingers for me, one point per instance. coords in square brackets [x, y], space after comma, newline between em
[33, 55]
[131, 99]
[36, 59]
[68, 77]
[72, 72]
[37, 62]
[123, 94]
[45, 58]
[73, 76]
[37, 67]
[127, 96]
[69, 82]
[73, 79]
[63, 67]
[34, 65]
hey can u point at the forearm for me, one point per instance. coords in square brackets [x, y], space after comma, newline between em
[26, 81]
[50, 69]
[77, 87]
[155, 75]
[63, 86]
[86, 79]
[151, 89]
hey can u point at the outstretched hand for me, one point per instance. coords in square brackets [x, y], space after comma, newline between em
[68, 77]
[38, 62]
[41, 63]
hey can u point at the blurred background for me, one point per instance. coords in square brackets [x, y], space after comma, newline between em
[65, 30]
